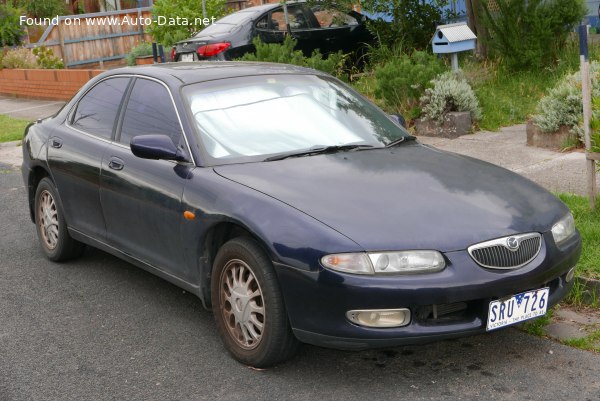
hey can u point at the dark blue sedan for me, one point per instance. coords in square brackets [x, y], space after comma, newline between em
[294, 208]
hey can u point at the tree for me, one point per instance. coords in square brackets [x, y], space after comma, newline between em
[475, 14]
[530, 34]
[168, 34]
[413, 22]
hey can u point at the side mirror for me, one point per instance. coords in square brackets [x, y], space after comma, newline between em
[398, 119]
[156, 147]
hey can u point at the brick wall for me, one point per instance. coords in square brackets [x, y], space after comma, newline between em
[44, 84]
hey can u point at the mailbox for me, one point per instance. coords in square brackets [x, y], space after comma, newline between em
[451, 39]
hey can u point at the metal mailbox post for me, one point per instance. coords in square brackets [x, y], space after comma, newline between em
[452, 39]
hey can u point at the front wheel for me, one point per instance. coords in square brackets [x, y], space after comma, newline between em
[52, 231]
[248, 306]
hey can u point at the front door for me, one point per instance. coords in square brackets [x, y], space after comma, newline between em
[141, 198]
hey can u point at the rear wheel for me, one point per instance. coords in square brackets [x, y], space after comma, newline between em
[248, 306]
[52, 231]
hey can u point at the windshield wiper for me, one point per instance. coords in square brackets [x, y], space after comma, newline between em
[402, 139]
[317, 150]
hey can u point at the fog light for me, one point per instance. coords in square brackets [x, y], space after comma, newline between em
[570, 275]
[380, 317]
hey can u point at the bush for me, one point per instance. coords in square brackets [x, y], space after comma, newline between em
[44, 8]
[11, 30]
[285, 53]
[530, 34]
[45, 58]
[562, 105]
[141, 49]
[402, 81]
[450, 92]
[19, 58]
[412, 21]
[190, 9]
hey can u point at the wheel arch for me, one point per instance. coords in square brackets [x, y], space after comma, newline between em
[215, 238]
[36, 175]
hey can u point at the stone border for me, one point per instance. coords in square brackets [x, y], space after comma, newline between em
[44, 84]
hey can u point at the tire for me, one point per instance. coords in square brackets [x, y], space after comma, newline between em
[52, 231]
[248, 306]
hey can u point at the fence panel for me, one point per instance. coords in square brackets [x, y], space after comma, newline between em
[98, 37]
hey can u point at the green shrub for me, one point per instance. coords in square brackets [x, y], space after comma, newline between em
[413, 21]
[191, 9]
[285, 53]
[44, 8]
[531, 34]
[562, 104]
[11, 30]
[402, 81]
[141, 49]
[46, 59]
[19, 58]
[450, 92]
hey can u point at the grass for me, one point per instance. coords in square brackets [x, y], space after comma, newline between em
[588, 224]
[590, 343]
[12, 128]
[536, 326]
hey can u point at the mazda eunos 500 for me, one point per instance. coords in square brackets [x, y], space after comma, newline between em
[294, 208]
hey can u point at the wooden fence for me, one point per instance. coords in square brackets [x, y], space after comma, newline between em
[95, 38]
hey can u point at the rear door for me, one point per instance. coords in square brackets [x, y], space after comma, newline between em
[75, 153]
[141, 198]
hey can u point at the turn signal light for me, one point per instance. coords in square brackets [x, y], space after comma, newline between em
[213, 49]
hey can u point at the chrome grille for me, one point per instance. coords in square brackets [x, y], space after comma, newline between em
[508, 252]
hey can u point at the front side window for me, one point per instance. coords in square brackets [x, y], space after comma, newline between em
[98, 109]
[149, 111]
[250, 118]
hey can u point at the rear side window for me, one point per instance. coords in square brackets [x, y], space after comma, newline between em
[150, 111]
[98, 109]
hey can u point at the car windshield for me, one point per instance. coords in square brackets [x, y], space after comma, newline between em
[250, 118]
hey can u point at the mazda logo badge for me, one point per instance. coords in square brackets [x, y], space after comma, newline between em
[512, 243]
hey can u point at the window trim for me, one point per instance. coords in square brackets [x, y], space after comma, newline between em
[121, 112]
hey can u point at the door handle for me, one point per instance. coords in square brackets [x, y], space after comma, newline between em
[116, 163]
[56, 142]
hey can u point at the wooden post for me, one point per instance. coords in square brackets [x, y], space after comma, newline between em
[587, 111]
[61, 39]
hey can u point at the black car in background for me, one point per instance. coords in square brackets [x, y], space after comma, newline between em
[313, 27]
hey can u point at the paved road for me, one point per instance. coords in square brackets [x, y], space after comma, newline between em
[101, 329]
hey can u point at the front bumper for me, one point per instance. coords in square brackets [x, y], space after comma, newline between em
[317, 301]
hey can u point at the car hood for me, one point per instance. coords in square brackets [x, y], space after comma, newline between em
[407, 197]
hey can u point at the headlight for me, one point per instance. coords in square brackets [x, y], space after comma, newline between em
[402, 262]
[562, 230]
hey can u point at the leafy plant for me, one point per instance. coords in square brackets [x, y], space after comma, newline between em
[562, 105]
[45, 58]
[411, 22]
[285, 53]
[19, 58]
[402, 81]
[11, 30]
[44, 8]
[168, 34]
[141, 49]
[450, 92]
[530, 34]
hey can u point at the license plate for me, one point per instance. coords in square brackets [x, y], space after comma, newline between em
[518, 308]
[187, 57]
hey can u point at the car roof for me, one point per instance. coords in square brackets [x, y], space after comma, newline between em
[201, 71]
